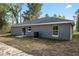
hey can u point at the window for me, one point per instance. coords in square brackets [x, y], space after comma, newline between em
[29, 29]
[55, 31]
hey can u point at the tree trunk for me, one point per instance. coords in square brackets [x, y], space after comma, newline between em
[17, 20]
[77, 25]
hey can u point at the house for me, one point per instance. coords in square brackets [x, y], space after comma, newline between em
[47, 27]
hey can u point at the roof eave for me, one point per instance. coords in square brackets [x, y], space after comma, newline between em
[44, 23]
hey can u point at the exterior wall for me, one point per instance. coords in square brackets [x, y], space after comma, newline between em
[44, 30]
[65, 31]
[16, 31]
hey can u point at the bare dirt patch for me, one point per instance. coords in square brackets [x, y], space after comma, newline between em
[46, 47]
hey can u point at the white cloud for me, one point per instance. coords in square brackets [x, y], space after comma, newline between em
[68, 6]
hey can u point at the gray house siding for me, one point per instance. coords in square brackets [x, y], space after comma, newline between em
[16, 31]
[46, 31]
[65, 31]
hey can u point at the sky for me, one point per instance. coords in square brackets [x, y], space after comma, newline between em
[66, 9]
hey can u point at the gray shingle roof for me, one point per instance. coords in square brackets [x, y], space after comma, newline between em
[45, 20]
[50, 19]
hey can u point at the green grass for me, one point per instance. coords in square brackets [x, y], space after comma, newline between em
[76, 35]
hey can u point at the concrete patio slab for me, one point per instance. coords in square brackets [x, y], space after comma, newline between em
[6, 50]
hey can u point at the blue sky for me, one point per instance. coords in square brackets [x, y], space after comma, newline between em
[66, 9]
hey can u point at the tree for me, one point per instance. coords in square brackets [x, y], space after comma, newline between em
[15, 9]
[33, 12]
[61, 17]
[58, 16]
[77, 25]
[55, 16]
[46, 15]
[3, 14]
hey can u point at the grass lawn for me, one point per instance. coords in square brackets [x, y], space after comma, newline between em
[42, 47]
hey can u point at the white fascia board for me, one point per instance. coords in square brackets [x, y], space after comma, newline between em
[42, 23]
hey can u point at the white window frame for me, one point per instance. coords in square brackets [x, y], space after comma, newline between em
[29, 30]
[53, 35]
